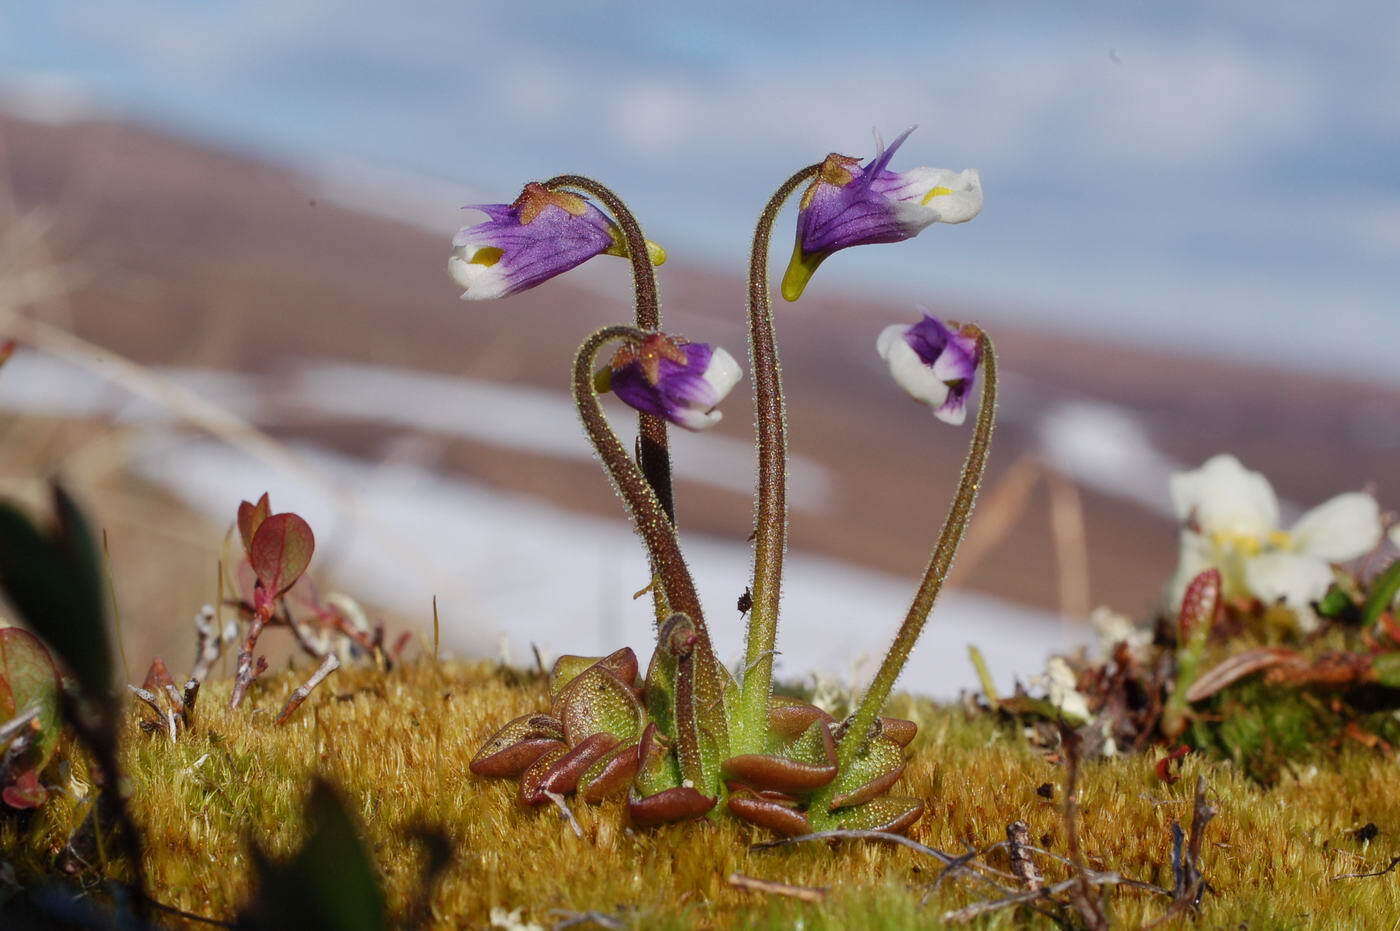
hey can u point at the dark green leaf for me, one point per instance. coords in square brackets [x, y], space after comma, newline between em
[56, 586]
[329, 885]
[1383, 592]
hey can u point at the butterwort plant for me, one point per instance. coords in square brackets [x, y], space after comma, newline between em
[685, 737]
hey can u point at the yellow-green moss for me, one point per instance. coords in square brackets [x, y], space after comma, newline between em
[398, 746]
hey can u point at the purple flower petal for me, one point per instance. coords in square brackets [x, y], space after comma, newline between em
[674, 379]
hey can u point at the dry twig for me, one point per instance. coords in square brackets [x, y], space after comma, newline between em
[328, 665]
[1394, 862]
[804, 893]
[1082, 894]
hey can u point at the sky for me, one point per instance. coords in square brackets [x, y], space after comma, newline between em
[1211, 177]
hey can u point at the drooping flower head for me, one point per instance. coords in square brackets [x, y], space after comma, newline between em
[1230, 521]
[672, 378]
[542, 234]
[934, 363]
[850, 205]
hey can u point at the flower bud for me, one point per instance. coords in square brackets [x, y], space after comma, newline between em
[850, 205]
[542, 234]
[933, 363]
[673, 378]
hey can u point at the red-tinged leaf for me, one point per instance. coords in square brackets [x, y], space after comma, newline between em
[533, 783]
[871, 774]
[280, 552]
[610, 775]
[27, 791]
[563, 777]
[679, 804]
[250, 518]
[1201, 604]
[1237, 667]
[157, 676]
[1164, 765]
[898, 730]
[807, 764]
[7, 349]
[28, 678]
[518, 744]
[622, 663]
[770, 814]
[892, 814]
[596, 700]
[789, 717]
[656, 765]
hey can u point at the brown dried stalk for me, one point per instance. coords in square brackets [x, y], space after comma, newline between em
[1018, 837]
[812, 894]
[1082, 895]
[329, 664]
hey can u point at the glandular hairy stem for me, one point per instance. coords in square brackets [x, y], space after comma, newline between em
[941, 560]
[677, 588]
[653, 449]
[770, 515]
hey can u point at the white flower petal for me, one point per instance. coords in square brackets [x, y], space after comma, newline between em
[723, 373]
[907, 369]
[479, 282]
[1295, 579]
[1225, 497]
[692, 419]
[954, 196]
[1340, 529]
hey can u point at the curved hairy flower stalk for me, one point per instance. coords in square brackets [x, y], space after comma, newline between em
[770, 518]
[653, 453]
[856, 738]
[677, 587]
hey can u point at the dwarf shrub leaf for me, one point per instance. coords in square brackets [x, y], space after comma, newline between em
[329, 885]
[250, 518]
[55, 583]
[280, 551]
[28, 679]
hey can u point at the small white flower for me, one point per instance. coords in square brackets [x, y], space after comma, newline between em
[1114, 628]
[1059, 682]
[1230, 521]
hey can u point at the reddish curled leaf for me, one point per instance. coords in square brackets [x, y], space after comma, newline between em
[157, 676]
[250, 518]
[870, 774]
[28, 678]
[656, 767]
[1164, 765]
[679, 804]
[534, 781]
[621, 663]
[1201, 604]
[597, 700]
[898, 730]
[27, 791]
[518, 744]
[280, 551]
[563, 777]
[807, 764]
[788, 718]
[769, 813]
[893, 814]
[7, 349]
[1236, 668]
[610, 774]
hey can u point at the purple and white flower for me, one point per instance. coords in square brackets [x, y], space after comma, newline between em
[542, 234]
[850, 205]
[933, 363]
[673, 378]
